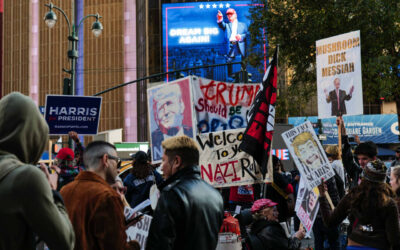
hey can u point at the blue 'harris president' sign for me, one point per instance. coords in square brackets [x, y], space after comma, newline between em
[72, 113]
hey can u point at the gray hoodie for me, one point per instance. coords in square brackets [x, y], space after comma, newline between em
[28, 205]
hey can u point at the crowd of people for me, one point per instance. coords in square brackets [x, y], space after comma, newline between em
[80, 202]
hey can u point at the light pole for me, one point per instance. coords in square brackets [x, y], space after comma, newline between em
[50, 19]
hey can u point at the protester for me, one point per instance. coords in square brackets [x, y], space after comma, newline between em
[119, 187]
[371, 210]
[332, 151]
[78, 148]
[395, 183]
[95, 209]
[267, 228]
[295, 184]
[321, 232]
[140, 179]
[395, 162]
[30, 204]
[67, 168]
[365, 152]
[281, 191]
[189, 212]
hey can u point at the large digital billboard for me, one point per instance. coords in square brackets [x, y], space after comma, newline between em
[206, 33]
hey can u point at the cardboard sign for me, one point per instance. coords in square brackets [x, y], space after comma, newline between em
[307, 205]
[339, 79]
[170, 113]
[65, 113]
[220, 105]
[308, 154]
[140, 231]
[222, 164]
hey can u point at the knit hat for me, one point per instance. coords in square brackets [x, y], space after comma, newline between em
[65, 154]
[261, 204]
[375, 171]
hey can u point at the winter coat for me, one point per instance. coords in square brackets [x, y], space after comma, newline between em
[188, 215]
[29, 207]
[273, 236]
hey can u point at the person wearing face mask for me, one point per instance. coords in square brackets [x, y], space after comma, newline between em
[267, 229]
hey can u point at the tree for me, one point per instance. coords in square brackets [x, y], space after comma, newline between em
[296, 25]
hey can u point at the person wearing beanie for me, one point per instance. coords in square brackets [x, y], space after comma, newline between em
[268, 230]
[371, 210]
[67, 170]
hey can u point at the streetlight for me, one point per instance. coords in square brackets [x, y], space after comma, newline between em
[50, 19]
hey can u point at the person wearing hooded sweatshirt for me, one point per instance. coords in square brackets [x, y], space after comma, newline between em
[31, 208]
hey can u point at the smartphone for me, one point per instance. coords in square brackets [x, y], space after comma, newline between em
[137, 218]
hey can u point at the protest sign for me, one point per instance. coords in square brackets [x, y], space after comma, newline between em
[65, 113]
[308, 154]
[170, 113]
[339, 81]
[307, 205]
[223, 164]
[140, 231]
[220, 105]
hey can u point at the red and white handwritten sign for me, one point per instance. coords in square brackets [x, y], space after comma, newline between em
[222, 164]
[220, 105]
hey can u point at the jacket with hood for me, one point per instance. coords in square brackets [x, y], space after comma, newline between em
[29, 207]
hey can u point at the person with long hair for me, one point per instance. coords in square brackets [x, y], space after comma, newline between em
[140, 179]
[371, 210]
[395, 183]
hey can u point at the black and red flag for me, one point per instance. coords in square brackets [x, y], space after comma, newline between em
[257, 138]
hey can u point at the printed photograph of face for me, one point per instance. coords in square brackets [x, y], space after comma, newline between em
[306, 149]
[309, 203]
[170, 114]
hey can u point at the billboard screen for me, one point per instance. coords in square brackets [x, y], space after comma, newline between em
[206, 33]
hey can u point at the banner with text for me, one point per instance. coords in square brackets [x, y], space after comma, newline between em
[140, 231]
[377, 128]
[222, 164]
[65, 113]
[339, 81]
[220, 105]
[308, 154]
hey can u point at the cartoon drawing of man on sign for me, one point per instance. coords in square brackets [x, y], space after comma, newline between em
[306, 149]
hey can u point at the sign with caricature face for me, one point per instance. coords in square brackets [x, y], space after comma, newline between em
[308, 154]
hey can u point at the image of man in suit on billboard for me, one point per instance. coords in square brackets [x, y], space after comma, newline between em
[236, 33]
[338, 97]
[168, 112]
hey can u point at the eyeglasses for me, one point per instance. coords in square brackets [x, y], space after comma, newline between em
[115, 158]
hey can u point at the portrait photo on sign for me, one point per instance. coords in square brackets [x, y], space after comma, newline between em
[339, 79]
[307, 205]
[170, 114]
